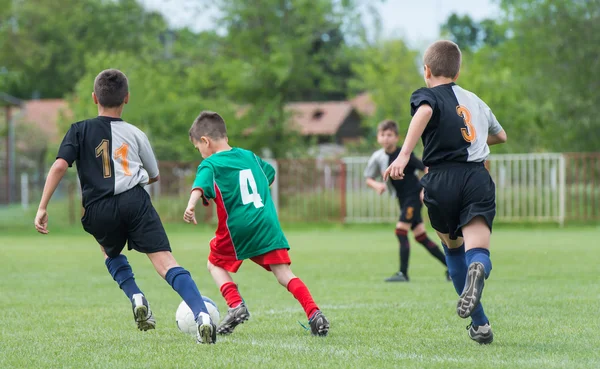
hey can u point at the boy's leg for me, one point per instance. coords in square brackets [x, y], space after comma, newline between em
[319, 325]
[121, 271]
[401, 231]
[421, 237]
[457, 267]
[477, 242]
[146, 234]
[103, 220]
[237, 313]
[181, 281]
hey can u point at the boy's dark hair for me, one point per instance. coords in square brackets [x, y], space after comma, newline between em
[209, 124]
[388, 125]
[443, 58]
[111, 88]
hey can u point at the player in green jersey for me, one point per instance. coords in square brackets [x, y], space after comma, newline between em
[238, 182]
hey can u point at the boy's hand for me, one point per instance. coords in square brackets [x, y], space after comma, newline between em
[396, 169]
[41, 221]
[422, 195]
[189, 216]
[380, 188]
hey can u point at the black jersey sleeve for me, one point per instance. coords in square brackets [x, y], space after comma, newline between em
[69, 148]
[420, 97]
[416, 162]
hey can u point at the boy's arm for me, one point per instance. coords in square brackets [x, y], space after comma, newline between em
[371, 172]
[498, 138]
[148, 159]
[56, 173]
[189, 215]
[496, 134]
[415, 130]
[203, 188]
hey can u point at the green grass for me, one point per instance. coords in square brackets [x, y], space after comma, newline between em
[61, 309]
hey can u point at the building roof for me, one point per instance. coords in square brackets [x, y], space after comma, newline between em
[319, 118]
[45, 115]
[364, 104]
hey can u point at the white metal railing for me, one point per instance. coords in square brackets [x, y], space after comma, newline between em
[529, 187]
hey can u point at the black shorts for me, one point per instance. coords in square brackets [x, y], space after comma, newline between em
[129, 218]
[410, 209]
[455, 193]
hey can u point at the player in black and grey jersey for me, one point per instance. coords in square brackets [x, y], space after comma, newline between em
[114, 162]
[407, 192]
[456, 127]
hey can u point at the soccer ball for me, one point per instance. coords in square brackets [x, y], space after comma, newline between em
[184, 317]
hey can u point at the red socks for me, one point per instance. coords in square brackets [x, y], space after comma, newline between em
[231, 294]
[302, 294]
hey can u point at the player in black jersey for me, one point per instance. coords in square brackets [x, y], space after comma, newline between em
[114, 162]
[456, 127]
[407, 192]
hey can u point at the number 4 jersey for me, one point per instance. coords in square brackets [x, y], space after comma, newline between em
[112, 157]
[239, 181]
[459, 127]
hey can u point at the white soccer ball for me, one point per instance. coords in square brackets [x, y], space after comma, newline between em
[184, 317]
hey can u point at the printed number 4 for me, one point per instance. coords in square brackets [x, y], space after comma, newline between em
[248, 183]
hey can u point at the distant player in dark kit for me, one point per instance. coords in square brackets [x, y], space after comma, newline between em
[114, 162]
[407, 192]
[238, 182]
[456, 127]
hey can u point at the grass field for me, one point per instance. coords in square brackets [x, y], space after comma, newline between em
[59, 308]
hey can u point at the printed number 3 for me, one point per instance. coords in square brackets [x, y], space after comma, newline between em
[248, 183]
[469, 134]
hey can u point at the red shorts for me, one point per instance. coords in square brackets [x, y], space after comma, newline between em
[279, 256]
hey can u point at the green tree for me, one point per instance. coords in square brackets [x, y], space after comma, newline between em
[45, 42]
[388, 70]
[554, 58]
[279, 51]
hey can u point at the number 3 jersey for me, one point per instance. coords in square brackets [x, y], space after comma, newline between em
[459, 126]
[238, 181]
[112, 157]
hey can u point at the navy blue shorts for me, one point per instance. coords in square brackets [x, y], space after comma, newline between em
[129, 218]
[455, 193]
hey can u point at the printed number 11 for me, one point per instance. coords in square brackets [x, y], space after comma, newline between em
[248, 183]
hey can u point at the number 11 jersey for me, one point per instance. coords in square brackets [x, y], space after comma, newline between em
[112, 157]
[238, 181]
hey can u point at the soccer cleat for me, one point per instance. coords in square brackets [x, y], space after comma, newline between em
[472, 292]
[481, 334]
[398, 277]
[207, 330]
[319, 325]
[142, 313]
[448, 278]
[235, 316]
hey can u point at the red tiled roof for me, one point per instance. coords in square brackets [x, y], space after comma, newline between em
[319, 118]
[364, 104]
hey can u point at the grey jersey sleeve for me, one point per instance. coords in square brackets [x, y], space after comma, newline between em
[494, 126]
[372, 169]
[147, 156]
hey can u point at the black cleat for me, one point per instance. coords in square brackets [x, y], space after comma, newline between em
[472, 292]
[481, 334]
[398, 277]
[319, 325]
[235, 316]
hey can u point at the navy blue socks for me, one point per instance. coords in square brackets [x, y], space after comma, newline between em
[121, 272]
[182, 282]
